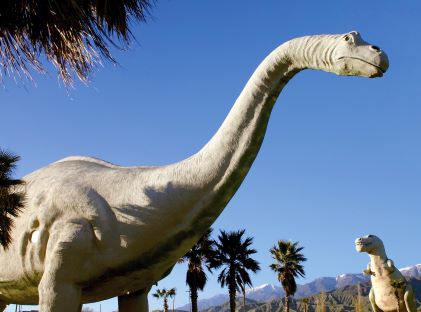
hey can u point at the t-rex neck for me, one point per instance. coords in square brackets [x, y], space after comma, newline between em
[378, 256]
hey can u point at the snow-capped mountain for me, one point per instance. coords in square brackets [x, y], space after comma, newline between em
[264, 293]
[412, 271]
[316, 286]
[268, 292]
[207, 303]
[350, 279]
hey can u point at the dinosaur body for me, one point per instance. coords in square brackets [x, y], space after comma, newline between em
[383, 295]
[92, 230]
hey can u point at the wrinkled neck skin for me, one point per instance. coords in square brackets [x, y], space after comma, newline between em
[218, 169]
[236, 144]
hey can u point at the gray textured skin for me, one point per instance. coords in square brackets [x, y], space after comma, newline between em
[383, 271]
[92, 230]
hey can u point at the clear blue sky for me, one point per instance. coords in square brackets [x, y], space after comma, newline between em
[342, 155]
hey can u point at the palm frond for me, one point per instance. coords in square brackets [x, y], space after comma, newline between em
[172, 292]
[287, 266]
[233, 253]
[11, 198]
[73, 35]
[199, 256]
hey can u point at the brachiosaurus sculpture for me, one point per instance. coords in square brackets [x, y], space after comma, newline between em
[92, 230]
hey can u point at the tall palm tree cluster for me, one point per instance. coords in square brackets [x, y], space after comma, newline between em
[73, 35]
[232, 253]
[11, 200]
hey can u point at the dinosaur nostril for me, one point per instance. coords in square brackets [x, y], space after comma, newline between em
[375, 48]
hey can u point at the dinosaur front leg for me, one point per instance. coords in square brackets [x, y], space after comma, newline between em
[409, 299]
[134, 302]
[390, 267]
[67, 250]
[58, 296]
[372, 299]
[368, 271]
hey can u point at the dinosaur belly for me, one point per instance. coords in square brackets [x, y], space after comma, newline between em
[20, 291]
[138, 273]
[384, 294]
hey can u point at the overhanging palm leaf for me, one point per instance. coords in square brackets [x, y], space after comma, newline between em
[73, 34]
[11, 201]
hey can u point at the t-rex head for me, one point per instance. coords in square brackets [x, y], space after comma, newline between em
[368, 244]
[352, 56]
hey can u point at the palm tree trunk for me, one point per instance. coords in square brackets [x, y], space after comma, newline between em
[232, 300]
[165, 305]
[232, 294]
[244, 300]
[193, 297]
[286, 303]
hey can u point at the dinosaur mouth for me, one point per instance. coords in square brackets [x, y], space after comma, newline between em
[381, 70]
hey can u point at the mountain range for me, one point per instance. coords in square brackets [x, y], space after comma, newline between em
[340, 300]
[269, 292]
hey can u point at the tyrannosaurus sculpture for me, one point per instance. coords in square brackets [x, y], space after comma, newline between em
[92, 230]
[383, 295]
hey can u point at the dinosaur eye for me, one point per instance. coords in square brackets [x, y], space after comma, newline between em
[347, 38]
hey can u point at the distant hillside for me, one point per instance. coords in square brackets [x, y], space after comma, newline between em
[268, 293]
[341, 300]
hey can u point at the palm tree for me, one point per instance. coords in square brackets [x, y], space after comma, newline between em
[234, 254]
[198, 258]
[162, 294]
[171, 293]
[11, 200]
[288, 266]
[73, 35]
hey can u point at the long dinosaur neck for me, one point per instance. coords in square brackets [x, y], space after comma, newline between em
[211, 177]
[228, 156]
[225, 160]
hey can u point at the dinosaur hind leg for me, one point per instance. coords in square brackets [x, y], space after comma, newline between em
[133, 302]
[67, 248]
[372, 299]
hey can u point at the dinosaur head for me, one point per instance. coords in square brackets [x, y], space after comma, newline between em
[352, 56]
[368, 244]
